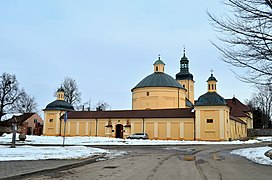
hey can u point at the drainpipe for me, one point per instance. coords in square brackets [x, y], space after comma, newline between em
[178, 97]
[188, 91]
[194, 124]
[60, 122]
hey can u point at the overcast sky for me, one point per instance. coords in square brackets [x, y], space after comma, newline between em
[108, 46]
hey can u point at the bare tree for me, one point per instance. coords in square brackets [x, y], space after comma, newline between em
[102, 106]
[13, 99]
[25, 104]
[262, 100]
[71, 92]
[246, 32]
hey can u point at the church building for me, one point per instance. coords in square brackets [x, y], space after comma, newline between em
[162, 107]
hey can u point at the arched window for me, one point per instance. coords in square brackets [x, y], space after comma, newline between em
[212, 86]
[157, 68]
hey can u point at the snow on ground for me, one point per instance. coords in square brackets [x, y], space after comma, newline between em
[255, 154]
[78, 150]
[87, 140]
[47, 152]
[265, 139]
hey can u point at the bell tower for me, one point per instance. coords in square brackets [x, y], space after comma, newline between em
[185, 78]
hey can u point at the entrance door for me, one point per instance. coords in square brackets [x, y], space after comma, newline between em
[119, 131]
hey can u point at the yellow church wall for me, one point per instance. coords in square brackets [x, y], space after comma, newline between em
[238, 130]
[175, 130]
[212, 123]
[101, 127]
[137, 126]
[188, 131]
[248, 121]
[73, 127]
[158, 98]
[172, 128]
[82, 128]
[189, 86]
[209, 131]
[150, 129]
[162, 130]
[52, 123]
[156, 128]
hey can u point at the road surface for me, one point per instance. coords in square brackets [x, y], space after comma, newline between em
[199, 162]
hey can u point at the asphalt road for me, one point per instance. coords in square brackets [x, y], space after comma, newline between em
[202, 162]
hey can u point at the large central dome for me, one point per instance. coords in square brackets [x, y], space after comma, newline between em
[158, 79]
[158, 91]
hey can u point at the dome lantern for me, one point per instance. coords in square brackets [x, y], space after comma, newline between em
[60, 94]
[211, 83]
[159, 65]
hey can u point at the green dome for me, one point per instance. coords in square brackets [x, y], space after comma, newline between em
[159, 62]
[158, 79]
[59, 105]
[210, 99]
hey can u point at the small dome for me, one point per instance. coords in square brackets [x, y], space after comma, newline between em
[60, 89]
[159, 62]
[158, 79]
[212, 78]
[59, 105]
[210, 99]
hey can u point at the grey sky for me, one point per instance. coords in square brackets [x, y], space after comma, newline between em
[108, 46]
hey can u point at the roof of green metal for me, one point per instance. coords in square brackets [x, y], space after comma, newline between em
[59, 105]
[158, 79]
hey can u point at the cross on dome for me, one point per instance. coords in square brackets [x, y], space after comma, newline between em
[211, 71]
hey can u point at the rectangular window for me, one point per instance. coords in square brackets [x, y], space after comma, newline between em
[50, 120]
[35, 120]
[209, 120]
[147, 93]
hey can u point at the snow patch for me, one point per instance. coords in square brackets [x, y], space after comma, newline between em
[254, 154]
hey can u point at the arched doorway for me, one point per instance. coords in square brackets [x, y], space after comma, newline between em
[119, 131]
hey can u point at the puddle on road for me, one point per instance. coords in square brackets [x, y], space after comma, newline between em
[110, 167]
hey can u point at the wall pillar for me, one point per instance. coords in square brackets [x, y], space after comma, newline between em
[77, 128]
[45, 124]
[168, 130]
[221, 125]
[68, 128]
[181, 125]
[87, 128]
[197, 124]
[155, 130]
[57, 130]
